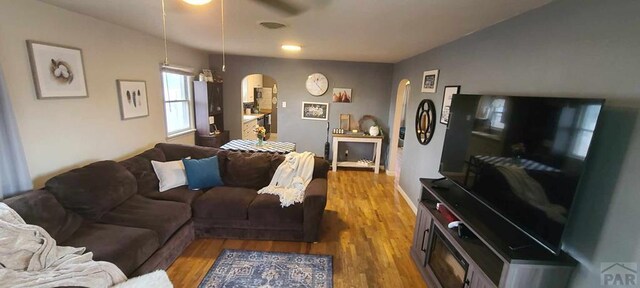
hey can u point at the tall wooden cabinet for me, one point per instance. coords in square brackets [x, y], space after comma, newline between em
[209, 114]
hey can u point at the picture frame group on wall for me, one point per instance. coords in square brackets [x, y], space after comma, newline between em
[430, 81]
[315, 111]
[58, 71]
[449, 91]
[132, 95]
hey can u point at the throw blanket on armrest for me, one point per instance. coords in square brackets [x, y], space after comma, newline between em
[291, 178]
[29, 257]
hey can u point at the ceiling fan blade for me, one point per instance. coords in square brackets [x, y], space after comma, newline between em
[282, 6]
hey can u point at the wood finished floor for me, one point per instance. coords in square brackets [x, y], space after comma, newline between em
[367, 227]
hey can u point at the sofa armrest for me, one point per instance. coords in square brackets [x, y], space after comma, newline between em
[315, 200]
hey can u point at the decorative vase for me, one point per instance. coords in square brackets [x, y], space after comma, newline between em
[260, 141]
[374, 130]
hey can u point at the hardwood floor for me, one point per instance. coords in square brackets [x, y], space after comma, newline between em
[367, 227]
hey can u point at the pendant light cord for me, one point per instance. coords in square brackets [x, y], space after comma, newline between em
[164, 34]
[224, 64]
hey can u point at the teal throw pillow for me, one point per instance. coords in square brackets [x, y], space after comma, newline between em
[202, 173]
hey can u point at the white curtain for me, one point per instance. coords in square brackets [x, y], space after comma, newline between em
[14, 174]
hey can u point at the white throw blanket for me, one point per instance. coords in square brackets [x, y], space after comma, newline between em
[291, 178]
[29, 257]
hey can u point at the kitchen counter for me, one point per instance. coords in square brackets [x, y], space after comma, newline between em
[250, 117]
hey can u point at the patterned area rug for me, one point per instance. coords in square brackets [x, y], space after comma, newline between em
[240, 268]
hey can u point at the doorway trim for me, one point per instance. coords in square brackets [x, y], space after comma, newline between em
[397, 118]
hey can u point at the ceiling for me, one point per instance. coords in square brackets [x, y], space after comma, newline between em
[353, 30]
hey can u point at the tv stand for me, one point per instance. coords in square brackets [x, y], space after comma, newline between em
[499, 256]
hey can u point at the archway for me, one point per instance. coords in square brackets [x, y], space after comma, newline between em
[397, 139]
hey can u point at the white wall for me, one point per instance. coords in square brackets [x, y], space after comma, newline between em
[60, 134]
[570, 48]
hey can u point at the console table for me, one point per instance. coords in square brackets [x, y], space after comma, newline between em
[357, 138]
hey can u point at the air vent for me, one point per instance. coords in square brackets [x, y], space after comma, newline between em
[272, 25]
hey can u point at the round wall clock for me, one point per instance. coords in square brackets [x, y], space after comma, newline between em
[425, 121]
[317, 84]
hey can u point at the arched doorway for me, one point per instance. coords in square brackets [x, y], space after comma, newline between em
[259, 106]
[397, 133]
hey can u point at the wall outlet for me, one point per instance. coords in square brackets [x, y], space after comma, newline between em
[284, 104]
[212, 120]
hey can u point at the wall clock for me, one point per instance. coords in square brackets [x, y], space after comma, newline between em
[317, 84]
[425, 121]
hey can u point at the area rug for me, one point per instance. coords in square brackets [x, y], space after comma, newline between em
[240, 268]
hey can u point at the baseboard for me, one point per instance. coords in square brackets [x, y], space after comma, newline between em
[390, 173]
[407, 199]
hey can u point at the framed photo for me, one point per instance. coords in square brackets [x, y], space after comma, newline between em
[341, 95]
[449, 91]
[132, 96]
[315, 111]
[430, 81]
[58, 71]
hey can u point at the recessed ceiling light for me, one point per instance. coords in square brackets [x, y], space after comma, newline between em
[197, 2]
[292, 48]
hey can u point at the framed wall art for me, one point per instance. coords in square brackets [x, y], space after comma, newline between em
[132, 95]
[315, 111]
[430, 81]
[449, 91]
[58, 71]
[341, 95]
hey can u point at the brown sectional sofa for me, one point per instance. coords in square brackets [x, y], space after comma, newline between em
[114, 209]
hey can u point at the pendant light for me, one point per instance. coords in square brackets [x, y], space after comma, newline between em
[224, 64]
[164, 36]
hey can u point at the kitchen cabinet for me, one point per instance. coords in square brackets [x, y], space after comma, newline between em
[247, 129]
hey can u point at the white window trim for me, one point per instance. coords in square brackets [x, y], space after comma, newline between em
[182, 71]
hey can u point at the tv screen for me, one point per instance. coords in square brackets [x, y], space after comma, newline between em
[521, 156]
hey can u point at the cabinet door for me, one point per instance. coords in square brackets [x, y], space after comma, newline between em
[421, 234]
[215, 98]
[477, 279]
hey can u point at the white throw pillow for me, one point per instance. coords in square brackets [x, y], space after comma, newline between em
[171, 174]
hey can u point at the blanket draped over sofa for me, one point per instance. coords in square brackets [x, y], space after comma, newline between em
[291, 178]
[30, 258]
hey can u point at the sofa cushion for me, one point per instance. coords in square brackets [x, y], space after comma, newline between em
[40, 208]
[174, 152]
[266, 210]
[163, 217]
[171, 174]
[127, 247]
[202, 173]
[229, 203]
[179, 194]
[140, 167]
[249, 170]
[94, 189]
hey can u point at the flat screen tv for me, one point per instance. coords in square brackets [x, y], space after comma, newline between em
[523, 157]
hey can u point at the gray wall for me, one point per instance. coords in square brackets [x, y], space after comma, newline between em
[60, 134]
[370, 83]
[568, 48]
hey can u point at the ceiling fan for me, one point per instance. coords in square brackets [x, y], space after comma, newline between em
[290, 7]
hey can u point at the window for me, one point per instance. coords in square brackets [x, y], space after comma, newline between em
[178, 102]
[498, 112]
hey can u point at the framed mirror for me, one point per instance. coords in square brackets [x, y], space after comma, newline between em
[425, 121]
